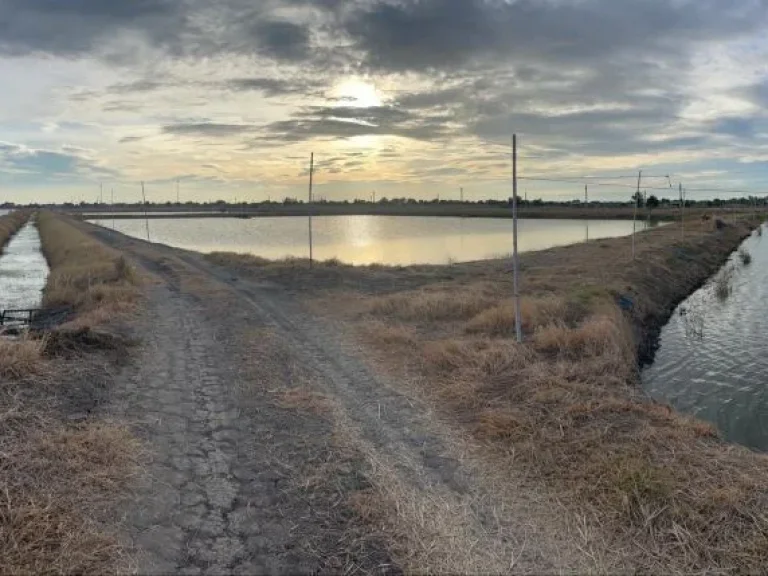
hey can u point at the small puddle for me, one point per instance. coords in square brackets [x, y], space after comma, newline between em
[23, 271]
[712, 361]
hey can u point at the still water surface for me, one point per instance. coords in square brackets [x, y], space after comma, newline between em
[371, 239]
[23, 271]
[713, 358]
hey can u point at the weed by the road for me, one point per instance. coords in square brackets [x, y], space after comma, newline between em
[21, 357]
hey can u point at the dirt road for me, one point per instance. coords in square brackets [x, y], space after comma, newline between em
[275, 448]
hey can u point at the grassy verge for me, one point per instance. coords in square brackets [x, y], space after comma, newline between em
[565, 406]
[61, 471]
[94, 280]
[10, 224]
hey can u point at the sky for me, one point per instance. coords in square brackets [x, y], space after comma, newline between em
[413, 98]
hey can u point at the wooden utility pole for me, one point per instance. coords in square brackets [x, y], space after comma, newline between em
[634, 212]
[515, 255]
[586, 207]
[682, 211]
[146, 216]
[311, 176]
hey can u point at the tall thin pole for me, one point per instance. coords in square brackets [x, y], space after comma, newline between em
[112, 202]
[178, 196]
[586, 206]
[634, 212]
[146, 216]
[682, 212]
[515, 254]
[101, 193]
[311, 177]
[647, 211]
[462, 195]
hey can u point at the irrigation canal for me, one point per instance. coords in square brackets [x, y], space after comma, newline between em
[713, 356]
[23, 270]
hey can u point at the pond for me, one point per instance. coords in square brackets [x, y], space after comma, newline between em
[363, 240]
[712, 361]
[23, 271]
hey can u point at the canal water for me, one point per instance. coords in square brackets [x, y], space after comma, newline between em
[713, 356]
[23, 271]
[360, 240]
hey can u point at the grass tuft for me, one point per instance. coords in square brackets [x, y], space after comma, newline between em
[745, 256]
[723, 283]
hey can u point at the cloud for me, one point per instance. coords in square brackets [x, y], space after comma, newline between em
[137, 86]
[282, 40]
[272, 87]
[78, 26]
[437, 34]
[209, 129]
[339, 122]
[20, 162]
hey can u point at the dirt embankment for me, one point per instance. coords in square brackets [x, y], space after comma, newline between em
[62, 466]
[390, 423]
[653, 490]
[10, 224]
[286, 450]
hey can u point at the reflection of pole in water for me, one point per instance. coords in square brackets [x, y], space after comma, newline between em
[586, 204]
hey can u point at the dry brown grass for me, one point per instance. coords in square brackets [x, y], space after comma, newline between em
[659, 485]
[55, 483]
[21, 357]
[10, 224]
[59, 481]
[94, 280]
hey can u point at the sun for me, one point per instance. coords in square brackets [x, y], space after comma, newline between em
[358, 93]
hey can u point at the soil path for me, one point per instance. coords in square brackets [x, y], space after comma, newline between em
[243, 483]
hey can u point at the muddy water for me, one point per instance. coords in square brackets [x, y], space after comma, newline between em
[713, 355]
[23, 271]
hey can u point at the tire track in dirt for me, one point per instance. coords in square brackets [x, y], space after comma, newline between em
[461, 525]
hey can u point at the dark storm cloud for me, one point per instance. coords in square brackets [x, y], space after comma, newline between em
[209, 129]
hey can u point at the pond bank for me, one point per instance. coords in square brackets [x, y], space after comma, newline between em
[565, 407]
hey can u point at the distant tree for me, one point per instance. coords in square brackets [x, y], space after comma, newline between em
[637, 198]
[652, 203]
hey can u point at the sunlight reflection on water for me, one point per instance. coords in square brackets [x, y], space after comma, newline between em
[371, 239]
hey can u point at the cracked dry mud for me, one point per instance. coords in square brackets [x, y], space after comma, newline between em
[236, 482]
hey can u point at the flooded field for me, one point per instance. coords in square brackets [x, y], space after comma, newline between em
[23, 271]
[371, 239]
[712, 359]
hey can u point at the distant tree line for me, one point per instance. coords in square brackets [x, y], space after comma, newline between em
[651, 202]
